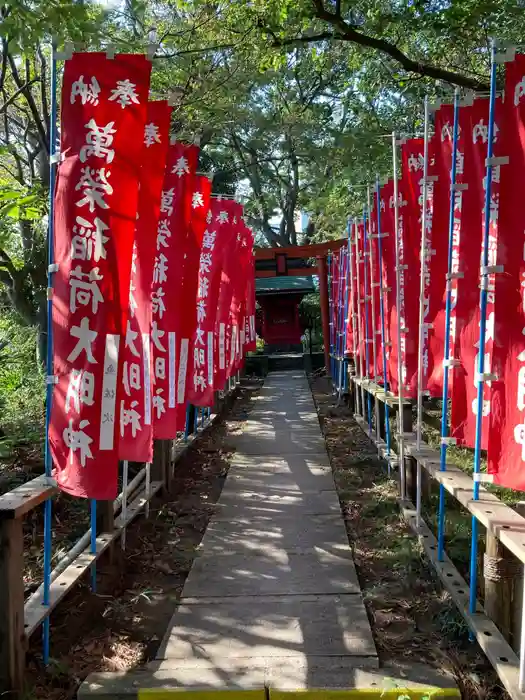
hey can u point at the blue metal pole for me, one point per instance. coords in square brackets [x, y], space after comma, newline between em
[448, 309]
[366, 224]
[48, 462]
[482, 331]
[94, 543]
[187, 424]
[196, 419]
[382, 314]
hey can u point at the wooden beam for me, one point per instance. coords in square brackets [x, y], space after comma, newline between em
[297, 272]
[12, 639]
[301, 251]
[24, 498]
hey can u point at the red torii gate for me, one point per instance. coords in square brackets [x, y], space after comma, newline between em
[298, 261]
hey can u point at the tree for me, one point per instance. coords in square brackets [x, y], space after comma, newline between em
[26, 29]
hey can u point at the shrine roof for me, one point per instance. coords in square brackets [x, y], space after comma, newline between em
[277, 285]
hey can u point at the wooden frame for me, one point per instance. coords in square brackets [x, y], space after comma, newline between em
[19, 619]
[501, 522]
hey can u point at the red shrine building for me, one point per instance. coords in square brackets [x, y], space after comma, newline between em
[278, 320]
[283, 277]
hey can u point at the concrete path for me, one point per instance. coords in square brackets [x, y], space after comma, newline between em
[274, 594]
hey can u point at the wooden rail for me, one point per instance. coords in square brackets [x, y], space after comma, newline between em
[501, 521]
[19, 619]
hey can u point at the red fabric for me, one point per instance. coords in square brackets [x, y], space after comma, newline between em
[172, 244]
[351, 327]
[200, 208]
[244, 269]
[473, 121]
[102, 133]
[388, 284]
[375, 281]
[440, 164]
[412, 160]
[251, 337]
[217, 238]
[360, 295]
[506, 434]
[135, 414]
[222, 329]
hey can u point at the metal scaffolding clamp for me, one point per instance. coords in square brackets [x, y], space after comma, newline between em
[491, 269]
[449, 441]
[497, 160]
[451, 363]
[486, 377]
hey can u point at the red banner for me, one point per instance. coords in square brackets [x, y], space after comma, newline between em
[375, 293]
[388, 286]
[102, 134]
[506, 434]
[136, 424]
[244, 271]
[359, 295]
[251, 337]
[171, 246]
[215, 243]
[411, 186]
[436, 264]
[351, 326]
[200, 213]
[474, 121]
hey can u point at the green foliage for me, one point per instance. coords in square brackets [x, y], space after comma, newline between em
[21, 385]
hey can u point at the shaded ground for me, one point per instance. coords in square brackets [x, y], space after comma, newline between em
[121, 626]
[412, 618]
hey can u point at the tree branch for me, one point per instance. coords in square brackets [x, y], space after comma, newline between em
[17, 93]
[31, 103]
[343, 31]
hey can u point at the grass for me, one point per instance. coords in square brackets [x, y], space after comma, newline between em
[413, 619]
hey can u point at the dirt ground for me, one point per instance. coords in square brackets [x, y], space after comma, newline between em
[122, 625]
[412, 617]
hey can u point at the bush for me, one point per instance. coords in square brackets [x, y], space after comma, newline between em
[22, 386]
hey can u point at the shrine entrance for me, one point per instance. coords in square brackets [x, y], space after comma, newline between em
[283, 277]
[279, 323]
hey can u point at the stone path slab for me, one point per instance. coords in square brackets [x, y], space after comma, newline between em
[255, 574]
[273, 626]
[263, 532]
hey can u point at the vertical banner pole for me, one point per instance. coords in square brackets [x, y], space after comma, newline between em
[522, 643]
[344, 252]
[352, 305]
[373, 305]
[400, 315]
[330, 310]
[359, 318]
[382, 313]
[366, 225]
[421, 328]
[423, 260]
[93, 547]
[482, 331]
[48, 462]
[187, 424]
[125, 479]
[148, 488]
[448, 313]
[341, 319]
